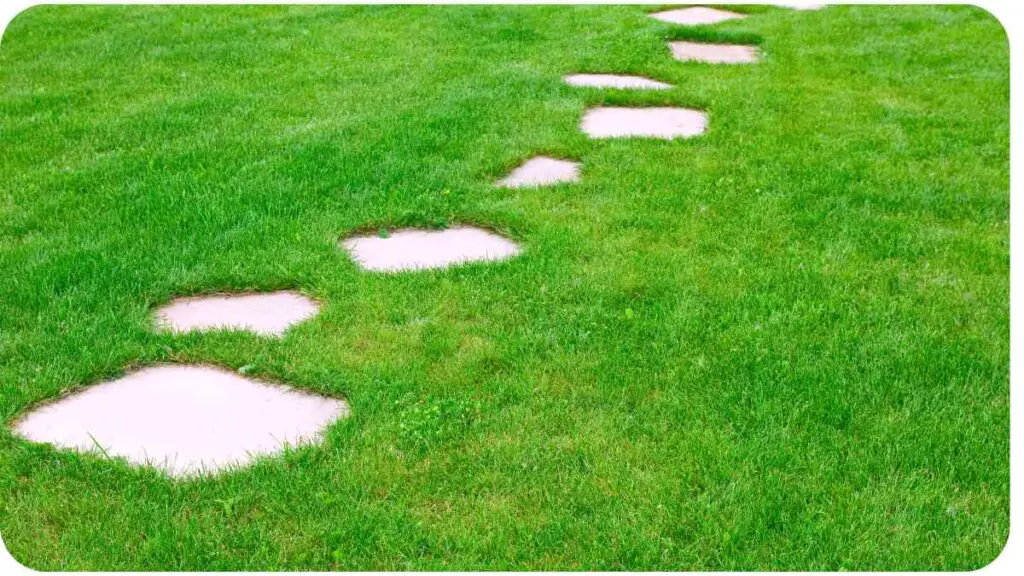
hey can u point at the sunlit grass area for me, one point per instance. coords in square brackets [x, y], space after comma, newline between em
[783, 344]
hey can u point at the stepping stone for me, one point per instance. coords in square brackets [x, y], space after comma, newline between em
[182, 419]
[696, 16]
[541, 171]
[422, 249]
[268, 314]
[615, 81]
[714, 53]
[803, 6]
[666, 123]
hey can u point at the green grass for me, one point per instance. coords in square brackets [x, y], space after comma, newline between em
[781, 345]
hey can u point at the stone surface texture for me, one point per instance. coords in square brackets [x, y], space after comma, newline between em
[714, 53]
[541, 171]
[696, 16]
[182, 419]
[268, 314]
[802, 6]
[424, 249]
[618, 81]
[665, 123]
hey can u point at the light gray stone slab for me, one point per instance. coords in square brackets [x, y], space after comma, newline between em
[425, 249]
[696, 16]
[714, 53]
[802, 6]
[665, 123]
[182, 419]
[618, 81]
[268, 314]
[541, 171]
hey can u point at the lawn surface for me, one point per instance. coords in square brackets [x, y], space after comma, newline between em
[781, 345]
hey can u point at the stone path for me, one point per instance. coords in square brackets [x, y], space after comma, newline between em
[424, 249]
[186, 419]
[665, 123]
[182, 419]
[713, 53]
[267, 314]
[542, 171]
[615, 81]
[696, 16]
[803, 6]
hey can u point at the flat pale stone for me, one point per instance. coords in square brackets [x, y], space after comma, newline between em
[541, 171]
[714, 53]
[666, 123]
[803, 6]
[696, 16]
[420, 249]
[270, 314]
[182, 419]
[615, 81]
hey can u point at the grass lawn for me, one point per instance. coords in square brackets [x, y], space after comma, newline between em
[783, 344]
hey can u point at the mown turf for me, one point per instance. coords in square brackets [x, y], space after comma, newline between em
[782, 345]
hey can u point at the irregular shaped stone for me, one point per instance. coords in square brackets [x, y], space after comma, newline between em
[422, 249]
[541, 171]
[618, 81]
[665, 123]
[714, 53]
[802, 6]
[269, 314]
[182, 419]
[696, 16]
